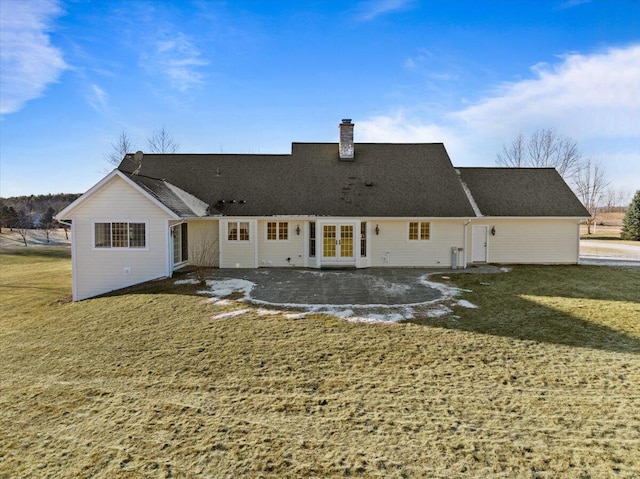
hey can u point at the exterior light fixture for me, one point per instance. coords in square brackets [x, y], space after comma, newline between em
[493, 231]
[298, 230]
[377, 230]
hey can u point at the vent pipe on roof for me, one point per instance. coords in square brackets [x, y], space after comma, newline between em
[346, 139]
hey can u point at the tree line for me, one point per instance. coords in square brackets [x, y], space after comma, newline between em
[24, 213]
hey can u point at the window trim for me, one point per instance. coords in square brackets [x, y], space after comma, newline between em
[313, 232]
[237, 239]
[278, 231]
[119, 248]
[419, 238]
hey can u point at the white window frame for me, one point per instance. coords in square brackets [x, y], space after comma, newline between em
[278, 231]
[420, 238]
[119, 248]
[238, 240]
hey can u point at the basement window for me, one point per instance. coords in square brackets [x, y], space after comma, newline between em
[120, 234]
[419, 230]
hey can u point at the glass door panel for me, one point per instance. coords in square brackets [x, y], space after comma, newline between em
[346, 241]
[329, 241]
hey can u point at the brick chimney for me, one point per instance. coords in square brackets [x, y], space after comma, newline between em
[346, 139]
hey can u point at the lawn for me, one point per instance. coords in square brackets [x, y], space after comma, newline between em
[542, 380]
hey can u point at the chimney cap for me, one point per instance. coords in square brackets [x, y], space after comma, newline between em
[346, 120]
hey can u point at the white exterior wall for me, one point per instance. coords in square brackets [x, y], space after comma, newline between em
[204, 242]
[238, 254]
[392, 246]
[100, 270]
[275, 253]
[543, 240]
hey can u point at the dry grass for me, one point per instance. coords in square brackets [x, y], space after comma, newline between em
[542, 381]
[608, 226]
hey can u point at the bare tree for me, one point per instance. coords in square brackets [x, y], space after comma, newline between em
[544, 148]
[23, 226]
[203, 254]
[515, 154]
[120, 148]
[591, 184]
[609, 199]
[161, 141]
[47, 223]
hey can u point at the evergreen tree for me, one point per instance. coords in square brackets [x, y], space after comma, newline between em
[631, 224]
[47, 219]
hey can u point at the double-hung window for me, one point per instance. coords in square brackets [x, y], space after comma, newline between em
[277, 231]
[419, 230]
[120, 234]
[238, 231]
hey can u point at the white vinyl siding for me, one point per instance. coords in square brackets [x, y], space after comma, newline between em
[392, 247]
[275, 253]
[522, 241]
[100, 270]
[238, 253]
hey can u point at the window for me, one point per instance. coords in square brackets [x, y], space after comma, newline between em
[419, 230]
[120, 235]
[277, 231]
[238, 231]
[363, 239]
[312, 239]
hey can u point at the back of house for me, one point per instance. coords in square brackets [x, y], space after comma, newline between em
[345, 204]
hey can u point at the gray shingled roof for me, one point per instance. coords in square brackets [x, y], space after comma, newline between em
[180, 202]
[521, 192]
[385, 180]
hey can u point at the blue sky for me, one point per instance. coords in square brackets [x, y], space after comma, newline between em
[251, 77]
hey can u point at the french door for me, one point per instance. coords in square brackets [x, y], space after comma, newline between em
[337, 243]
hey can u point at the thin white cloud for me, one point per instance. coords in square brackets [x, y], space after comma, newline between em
[586, 95]
[573, 3]
[400, 128]
[97, 98]
[371, 9]
[591, 98]
[178, 58]
[28, 61]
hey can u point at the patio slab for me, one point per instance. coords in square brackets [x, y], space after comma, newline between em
[354, 287]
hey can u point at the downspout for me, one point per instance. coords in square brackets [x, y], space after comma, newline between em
[465, 242]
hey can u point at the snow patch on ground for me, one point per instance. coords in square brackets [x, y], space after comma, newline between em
[466, 304]
[361, 313]
[441, 310]
[225, 287]
[186, 281]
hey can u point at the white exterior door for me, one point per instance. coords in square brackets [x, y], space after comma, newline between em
[338, 243]
[479, 235]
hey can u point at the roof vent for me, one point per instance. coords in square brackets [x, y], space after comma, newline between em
[346, 139]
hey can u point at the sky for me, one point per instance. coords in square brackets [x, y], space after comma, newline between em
[254, 76]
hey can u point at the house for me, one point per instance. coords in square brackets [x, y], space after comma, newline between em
[343, 204]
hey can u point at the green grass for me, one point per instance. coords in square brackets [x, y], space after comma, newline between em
[543, 380]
